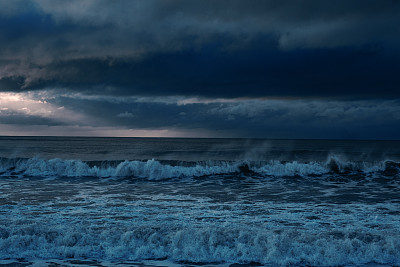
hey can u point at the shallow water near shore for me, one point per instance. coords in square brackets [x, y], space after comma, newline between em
[190, 202]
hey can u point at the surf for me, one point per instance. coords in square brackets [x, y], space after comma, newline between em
[153, 169]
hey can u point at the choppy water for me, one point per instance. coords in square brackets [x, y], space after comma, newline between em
[179, 202]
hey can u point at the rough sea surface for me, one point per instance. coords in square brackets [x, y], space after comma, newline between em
[185, 202]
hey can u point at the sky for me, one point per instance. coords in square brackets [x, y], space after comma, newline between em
[168, 68]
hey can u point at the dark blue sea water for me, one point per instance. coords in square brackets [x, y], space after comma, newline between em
[183, 202]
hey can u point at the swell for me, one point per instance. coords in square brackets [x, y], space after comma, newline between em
[156, 170]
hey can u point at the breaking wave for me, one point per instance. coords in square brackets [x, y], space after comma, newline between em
[352, 246]
[157, 170]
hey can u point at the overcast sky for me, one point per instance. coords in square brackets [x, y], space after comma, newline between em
[252, 69]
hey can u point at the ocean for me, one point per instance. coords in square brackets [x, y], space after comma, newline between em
[76, 201]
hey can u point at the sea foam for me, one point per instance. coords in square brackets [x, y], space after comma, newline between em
[201, 245]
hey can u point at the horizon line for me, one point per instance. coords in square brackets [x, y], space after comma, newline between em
[181, 137]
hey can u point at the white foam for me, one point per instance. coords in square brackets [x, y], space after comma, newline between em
[215, 244]
[276, 168]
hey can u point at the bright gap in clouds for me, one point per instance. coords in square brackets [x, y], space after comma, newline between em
[24, 104]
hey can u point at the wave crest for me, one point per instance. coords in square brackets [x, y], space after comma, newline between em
[156, 170]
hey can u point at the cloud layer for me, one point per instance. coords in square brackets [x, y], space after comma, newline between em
[309, 69]
[190, 117]
[202, 48]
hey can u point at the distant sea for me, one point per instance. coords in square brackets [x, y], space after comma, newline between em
[74, 201]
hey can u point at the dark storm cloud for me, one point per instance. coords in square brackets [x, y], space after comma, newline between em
[29, 120]
[343, 72]
[11, 83]
[204, 48]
